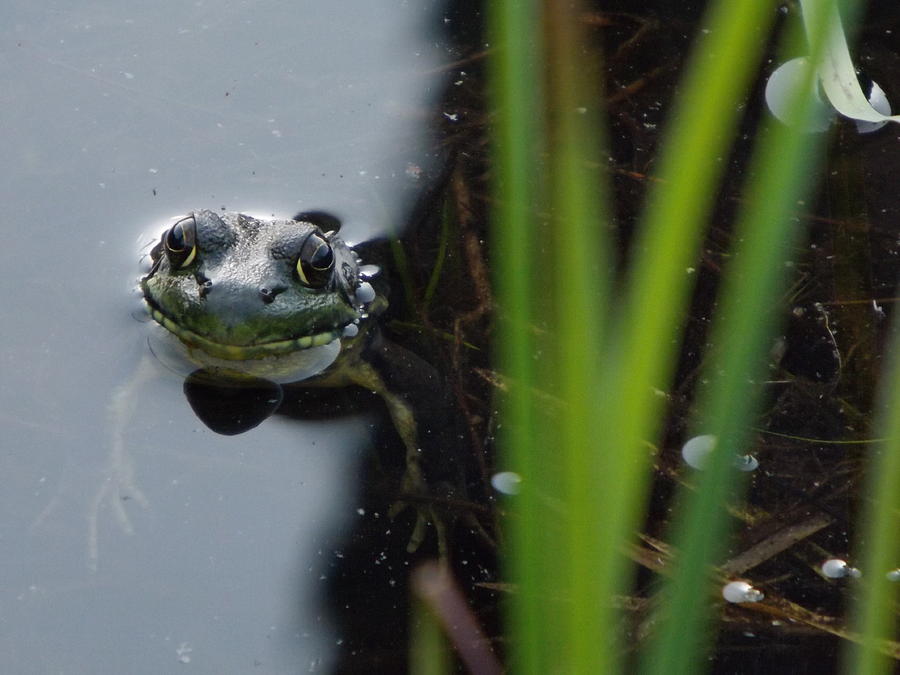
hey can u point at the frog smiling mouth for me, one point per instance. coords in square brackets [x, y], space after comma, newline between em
[233, 352]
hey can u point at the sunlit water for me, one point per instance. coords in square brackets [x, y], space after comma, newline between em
[134, 539]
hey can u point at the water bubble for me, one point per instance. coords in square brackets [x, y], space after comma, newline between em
[893, 575]
[746, 463]
[351, 330]
[835, 568]
[741, 591]
[697, 449]
[369, 271]
[506, 482]
[365, 293]
[786, 79]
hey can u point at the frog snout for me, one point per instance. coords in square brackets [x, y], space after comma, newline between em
[239, 301]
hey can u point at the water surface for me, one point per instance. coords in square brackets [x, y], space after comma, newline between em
[133, 538]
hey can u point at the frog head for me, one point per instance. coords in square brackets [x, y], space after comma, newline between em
[236, 287]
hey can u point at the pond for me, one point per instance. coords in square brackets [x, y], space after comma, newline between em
[138, 540]
[135, 539]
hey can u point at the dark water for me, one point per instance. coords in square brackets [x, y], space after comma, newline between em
[834, 311]
[134, 539]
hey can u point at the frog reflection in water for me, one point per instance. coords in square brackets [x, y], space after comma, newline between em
[268, 300]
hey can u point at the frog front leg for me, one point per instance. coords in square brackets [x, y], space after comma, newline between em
[414, 481]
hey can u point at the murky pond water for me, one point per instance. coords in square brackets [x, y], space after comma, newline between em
[134, 539]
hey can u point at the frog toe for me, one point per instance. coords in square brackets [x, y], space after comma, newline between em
[420, 531]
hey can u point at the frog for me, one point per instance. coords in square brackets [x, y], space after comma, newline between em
[288, 302]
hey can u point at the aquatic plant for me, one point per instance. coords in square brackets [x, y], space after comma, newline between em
[606, 356]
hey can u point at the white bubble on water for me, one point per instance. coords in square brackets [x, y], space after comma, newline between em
[506, 482]
[835, 568]
[741, 591]
[696, 450]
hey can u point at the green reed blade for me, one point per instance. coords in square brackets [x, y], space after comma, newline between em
[643, 350]
[781, 174]
[875, 611]
[578, 274]
[512, 27]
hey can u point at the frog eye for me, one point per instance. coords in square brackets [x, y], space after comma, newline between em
[180, 242]
[316, 261]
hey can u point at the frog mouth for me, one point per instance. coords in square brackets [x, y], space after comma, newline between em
[232, 352]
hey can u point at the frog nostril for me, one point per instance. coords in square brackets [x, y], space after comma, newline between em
[205, 285]
[268, 293]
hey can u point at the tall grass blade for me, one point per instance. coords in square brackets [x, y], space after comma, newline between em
[876, 607]
[578, 275]
[557, 520]
[514, 85]
[645, 341]
[781, 173]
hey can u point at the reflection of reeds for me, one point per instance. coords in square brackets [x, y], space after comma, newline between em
[562, 331]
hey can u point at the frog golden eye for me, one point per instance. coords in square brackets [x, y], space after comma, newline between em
[315, 262]
[180, 243]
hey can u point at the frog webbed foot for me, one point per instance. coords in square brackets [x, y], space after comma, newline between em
[118, 484]
[117, 487]
[428, 497]
[425, 515]
[416, 493]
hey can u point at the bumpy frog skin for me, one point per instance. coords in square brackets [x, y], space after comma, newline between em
[238, 288]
